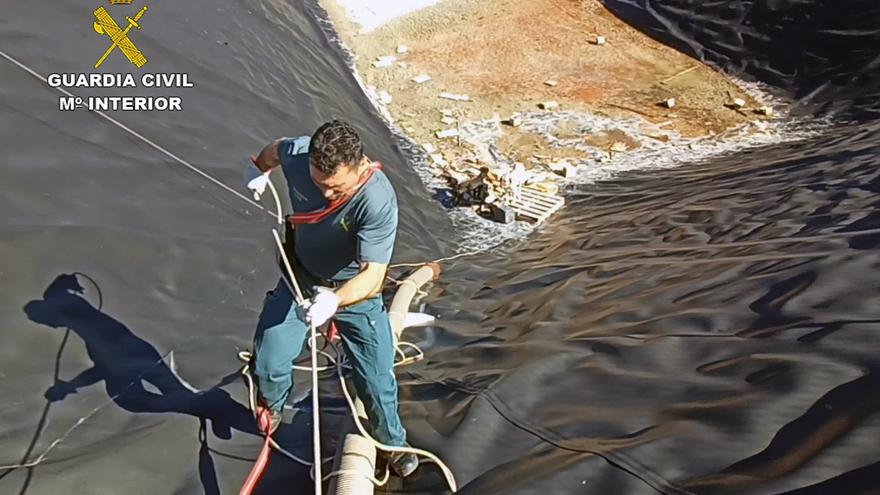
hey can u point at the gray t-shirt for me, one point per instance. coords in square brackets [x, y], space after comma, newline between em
[363, 230]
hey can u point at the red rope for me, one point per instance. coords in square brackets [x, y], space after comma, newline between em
[332, 332]
[262, 459]
[317, 216]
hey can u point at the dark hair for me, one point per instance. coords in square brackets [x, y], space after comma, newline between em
[335, 144]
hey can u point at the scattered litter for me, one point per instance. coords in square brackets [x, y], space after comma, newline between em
[421, 78]
[438, 159]
[546, 187]
[600, 40]
[429, 148]
[384, 61]
[548, 105]
[446, 112]
[514, 121]
[551, 82]
[505, 197]
[385, 97]
[768, 111]
[739, 103]
[618, 147]
[501, 213]
[669, 103]
[447, 133]
[402, 49]
[563, 168]
[448, 120]
[453, 96]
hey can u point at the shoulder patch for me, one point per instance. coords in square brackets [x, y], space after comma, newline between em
[297, 146]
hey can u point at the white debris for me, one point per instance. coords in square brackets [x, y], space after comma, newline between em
[447, 133]
[421, 78]
[516, 178]
[438, 159]
[385, 97]
[515, 120]
[446, 112]
[453, 96]
[429, 148]
[371, 14]
[402, 49]
[548, 105]
[768, 111]
[670, 102]
[448, 120]
[562, 168]
[618, 146]
[551, 82]
[384, 61]
[600, 40]
[739, 103]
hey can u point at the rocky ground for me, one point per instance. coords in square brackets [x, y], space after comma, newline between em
[493, 60]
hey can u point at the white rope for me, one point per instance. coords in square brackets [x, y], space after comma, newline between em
[313, 351]
[447, 473]
[441, 260]
[339, 363]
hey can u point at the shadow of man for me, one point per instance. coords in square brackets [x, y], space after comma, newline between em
[125, 362]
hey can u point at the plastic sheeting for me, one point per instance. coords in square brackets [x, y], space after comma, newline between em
[706, 329]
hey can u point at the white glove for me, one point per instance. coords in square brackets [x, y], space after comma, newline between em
[322, 307]
[256, 180]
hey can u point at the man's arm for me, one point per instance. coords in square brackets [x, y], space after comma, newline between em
[268, 157]
[364, 285]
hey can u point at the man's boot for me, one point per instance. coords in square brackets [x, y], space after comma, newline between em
[403, 463]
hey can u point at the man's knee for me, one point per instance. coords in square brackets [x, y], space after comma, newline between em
[276, 352]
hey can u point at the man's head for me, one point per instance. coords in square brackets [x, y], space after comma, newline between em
[336, 156]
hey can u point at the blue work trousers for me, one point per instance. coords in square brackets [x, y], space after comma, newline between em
[367, 340]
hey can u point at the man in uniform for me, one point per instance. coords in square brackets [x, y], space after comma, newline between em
[345, 211]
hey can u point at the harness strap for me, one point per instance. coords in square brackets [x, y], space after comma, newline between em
[319, 215]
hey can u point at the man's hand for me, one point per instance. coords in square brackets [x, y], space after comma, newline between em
[256, 180]
[322, 307]
[59, 391]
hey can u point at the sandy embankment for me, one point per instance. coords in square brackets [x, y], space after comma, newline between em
[502, 53]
